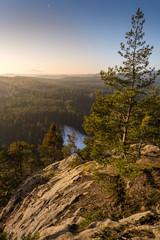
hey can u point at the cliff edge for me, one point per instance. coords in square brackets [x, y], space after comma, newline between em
[66, 202]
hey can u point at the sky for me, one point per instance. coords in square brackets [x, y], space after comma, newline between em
[71, 36]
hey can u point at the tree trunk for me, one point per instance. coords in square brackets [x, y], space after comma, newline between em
[126, 123]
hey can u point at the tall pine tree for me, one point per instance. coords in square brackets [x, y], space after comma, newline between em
[114, 117]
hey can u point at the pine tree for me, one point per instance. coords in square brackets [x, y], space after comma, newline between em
[114, 116]
[51, 148]
[71, 147]
[20, 154]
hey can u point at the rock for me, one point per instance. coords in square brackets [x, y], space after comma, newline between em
[54, 201]
[39, 204]
[148, 149]
[158, 209]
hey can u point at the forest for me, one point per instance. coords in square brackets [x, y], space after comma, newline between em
[119, 110]
[29, 105]
[32, 106]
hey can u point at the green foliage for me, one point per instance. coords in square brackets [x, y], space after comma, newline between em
[16, 163]
[103, 127]
[3, 236]
[123, 118]
[148, 112]
[88, 168]
[112, 185]
[71, 147]
[76, 161]
[29, 105]
[51, 148]
[31, 236]
[49, 174]
[20, 154]
[85, 152]
[66, 151]
[92, 216]
[126, 167]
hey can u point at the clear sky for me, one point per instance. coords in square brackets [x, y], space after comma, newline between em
[70, 36]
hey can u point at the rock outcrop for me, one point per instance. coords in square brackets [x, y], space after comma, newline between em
[54, 202]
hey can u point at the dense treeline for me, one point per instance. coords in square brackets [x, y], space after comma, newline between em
[29, 105]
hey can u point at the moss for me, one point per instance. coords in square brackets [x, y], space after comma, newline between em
[112, 185]
[92, 216]
[88, 167]
[50, 173]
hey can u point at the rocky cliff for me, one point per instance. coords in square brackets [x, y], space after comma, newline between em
[66, 202]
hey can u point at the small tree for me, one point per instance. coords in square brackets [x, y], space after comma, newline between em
[51, 148]
[16, 163]
[71, 147]
[115, 116]
[20, 154]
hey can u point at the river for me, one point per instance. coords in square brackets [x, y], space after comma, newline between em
[79, 136]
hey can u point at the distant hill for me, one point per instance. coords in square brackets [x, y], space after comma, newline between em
[29, 105]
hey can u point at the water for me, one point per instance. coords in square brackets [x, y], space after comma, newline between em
[79, 136]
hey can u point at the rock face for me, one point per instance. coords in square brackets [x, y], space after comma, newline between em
[40, 203]
[54, 200]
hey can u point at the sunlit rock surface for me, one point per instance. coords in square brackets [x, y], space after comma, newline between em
[55, 200]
